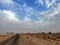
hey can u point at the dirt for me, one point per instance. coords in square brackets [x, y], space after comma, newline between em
[31, 39]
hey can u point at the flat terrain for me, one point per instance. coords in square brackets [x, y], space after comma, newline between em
[30, 39]
[40, 39]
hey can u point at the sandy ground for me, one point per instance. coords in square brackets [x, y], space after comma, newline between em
[30, 39]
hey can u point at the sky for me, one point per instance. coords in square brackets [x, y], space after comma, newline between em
[29, 16]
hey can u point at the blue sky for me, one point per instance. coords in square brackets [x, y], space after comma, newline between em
[36, 6]
[31, 15]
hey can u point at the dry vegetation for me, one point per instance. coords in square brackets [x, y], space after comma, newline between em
[41, 38]
[33, 38]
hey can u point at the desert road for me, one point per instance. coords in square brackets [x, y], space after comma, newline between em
[30, 39]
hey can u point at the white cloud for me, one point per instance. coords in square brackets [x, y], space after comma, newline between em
[24, 5]
[28, 21]
[48, 3]
[6, 1]
[52, 12]
[40, 2]
[9, 15]
[45, 18]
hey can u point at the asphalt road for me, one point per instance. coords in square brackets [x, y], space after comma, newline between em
[18, 40]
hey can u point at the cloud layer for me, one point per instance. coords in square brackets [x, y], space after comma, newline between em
[48, 3]
[22, 18]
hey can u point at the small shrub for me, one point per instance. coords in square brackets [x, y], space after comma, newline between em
[57, 43]
[58, 37]
[27, 37]
[42, 32]
[49, 33]
[48, 37]
[44, 35]
[54, 39]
